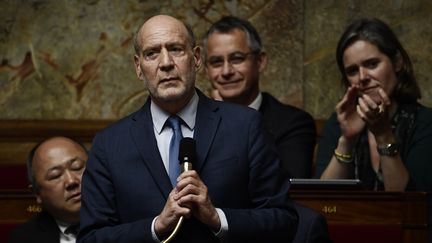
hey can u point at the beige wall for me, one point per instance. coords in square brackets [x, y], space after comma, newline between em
[64, 59]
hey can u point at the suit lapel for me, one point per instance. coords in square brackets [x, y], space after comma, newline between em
[207, 122]
[49, 230]
[144, 138]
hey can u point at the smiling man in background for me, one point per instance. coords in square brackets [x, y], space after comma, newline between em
[234, 59]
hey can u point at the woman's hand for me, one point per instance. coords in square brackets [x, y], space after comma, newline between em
[375, 113]
[351, 123]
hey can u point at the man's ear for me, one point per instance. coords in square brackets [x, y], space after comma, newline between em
[262, 61]
[138, 67]
[36, 192]
[197, 57]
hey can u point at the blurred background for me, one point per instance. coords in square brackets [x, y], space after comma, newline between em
[73, 59]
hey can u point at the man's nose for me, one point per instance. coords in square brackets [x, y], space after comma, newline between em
[166, 61]
[72, 179]
[227, 69]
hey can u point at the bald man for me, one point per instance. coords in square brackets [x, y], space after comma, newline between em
[55, 167]
[131, 192]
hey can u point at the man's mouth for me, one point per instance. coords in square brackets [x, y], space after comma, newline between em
[228, 82]
[168, 79]
[75, 197]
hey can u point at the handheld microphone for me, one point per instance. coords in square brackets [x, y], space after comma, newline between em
[187, 156]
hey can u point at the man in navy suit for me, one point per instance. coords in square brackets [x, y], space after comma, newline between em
[234, 59]
[55, 167]
[235, 192]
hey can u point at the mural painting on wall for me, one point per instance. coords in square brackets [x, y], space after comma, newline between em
[74, 59]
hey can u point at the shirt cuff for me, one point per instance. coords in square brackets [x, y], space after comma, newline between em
[220, 234]
[154, 236]
[223, 230]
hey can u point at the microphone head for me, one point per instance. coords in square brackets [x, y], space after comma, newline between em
[187, 151]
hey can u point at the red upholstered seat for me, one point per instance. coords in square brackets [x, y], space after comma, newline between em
[13, 177]
[366, 233]
[5, 229]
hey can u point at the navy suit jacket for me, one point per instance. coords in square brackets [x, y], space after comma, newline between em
[125, 184]
[40, 228]
[294, 133]
[312, 226]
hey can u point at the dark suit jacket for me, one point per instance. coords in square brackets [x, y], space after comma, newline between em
[294, 133]
[312, 226]
[125, 184]
[40, 228]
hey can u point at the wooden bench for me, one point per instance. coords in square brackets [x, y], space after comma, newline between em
[17, 137]
[352, 216]
[400, 214]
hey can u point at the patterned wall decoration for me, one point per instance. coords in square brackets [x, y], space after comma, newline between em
[63, 59]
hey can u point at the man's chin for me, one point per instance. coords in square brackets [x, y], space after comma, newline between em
[73, 210]
[67, 213]
[171, 94]
[230, 94]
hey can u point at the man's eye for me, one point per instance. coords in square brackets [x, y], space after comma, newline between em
[216, 63]
[177, 51]
[151, 55]
[54, 175]
[237, 59]
[77, 166]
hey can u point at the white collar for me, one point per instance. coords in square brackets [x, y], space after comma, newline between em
[187, 114]
[257, 102]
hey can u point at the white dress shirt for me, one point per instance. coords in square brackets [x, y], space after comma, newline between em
[256, 103]
[65, 238]
[163, 136]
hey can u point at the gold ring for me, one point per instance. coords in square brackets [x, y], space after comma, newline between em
[381, 110]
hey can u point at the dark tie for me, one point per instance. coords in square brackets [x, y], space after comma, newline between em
[72, 229]
[174, 166]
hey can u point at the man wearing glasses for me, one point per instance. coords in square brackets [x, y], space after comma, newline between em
[234, 60]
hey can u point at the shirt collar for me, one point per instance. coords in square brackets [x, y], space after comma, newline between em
[187, 114]
[62, 225]
[257, 102]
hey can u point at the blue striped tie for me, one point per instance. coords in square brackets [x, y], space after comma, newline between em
[174, 166]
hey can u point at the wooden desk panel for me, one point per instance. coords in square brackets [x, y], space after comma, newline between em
[17, 137]
[17, 206]
[403, 211]
[407, 211]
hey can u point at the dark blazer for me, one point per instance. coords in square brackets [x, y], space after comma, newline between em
[40, 228]
[312, 226]
[294, 133]
[125, 184]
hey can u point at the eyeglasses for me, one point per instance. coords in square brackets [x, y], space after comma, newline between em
[233, 59]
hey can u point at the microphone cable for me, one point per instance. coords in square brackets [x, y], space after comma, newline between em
[174, 233]
[186, 159]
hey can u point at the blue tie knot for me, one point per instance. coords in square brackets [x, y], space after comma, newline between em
[174, 123]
